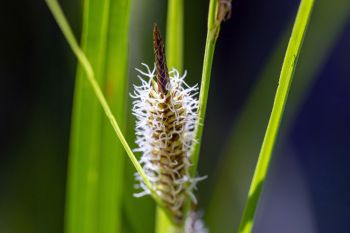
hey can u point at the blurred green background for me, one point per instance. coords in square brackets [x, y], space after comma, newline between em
[308, 185]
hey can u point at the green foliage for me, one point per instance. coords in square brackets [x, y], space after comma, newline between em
[56, 10]
[242, 147]
[96, 158]
[175, 35]
[213, 29]
[96, 163]
[285, 81]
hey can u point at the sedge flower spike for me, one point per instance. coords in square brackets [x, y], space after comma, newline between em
[166, 112]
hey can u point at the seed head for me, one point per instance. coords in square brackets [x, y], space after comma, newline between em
[166, 112]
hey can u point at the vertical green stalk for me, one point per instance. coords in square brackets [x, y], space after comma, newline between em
[84, 173]
[286, 75]
[212, 35]
[213, 29]
[165, 225]
[174, 52]
[174, 34]
[112, 152]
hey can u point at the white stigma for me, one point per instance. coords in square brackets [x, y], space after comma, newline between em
[194, 223]
[164, 134]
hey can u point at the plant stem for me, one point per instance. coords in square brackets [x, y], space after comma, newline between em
[213, 29]
[286, 76]
[174, 39]
[164, 224]
[212, 35]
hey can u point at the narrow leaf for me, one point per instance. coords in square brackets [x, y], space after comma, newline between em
[242, 147]
[288, 68]
[60, 18]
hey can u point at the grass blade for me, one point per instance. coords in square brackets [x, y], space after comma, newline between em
[85, 145]
[94, 192]
[90, 76]
[112, 152]
[242, 147]
[288, 68]
[62, 22]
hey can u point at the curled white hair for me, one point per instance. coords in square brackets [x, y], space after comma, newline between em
[164, 134]
[194, 223]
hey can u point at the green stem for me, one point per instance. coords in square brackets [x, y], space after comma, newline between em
[212, 35]
[164, 224]
[286, 76]
[213, 30]
[175, 38]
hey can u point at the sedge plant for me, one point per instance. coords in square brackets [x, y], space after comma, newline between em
[170, 119]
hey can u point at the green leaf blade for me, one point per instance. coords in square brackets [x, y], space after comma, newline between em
[286, 76]
[84, 158]
[242, 147]
[115, 89]
[96, 158]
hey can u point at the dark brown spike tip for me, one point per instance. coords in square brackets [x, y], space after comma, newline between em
[224, 10]
[159, 56]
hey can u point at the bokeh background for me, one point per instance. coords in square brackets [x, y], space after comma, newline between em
[308, 185]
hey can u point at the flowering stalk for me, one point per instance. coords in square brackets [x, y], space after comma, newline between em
[166, 111]
[219, 11]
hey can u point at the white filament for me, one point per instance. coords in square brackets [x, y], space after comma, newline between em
[183, 106]
[194, 223]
